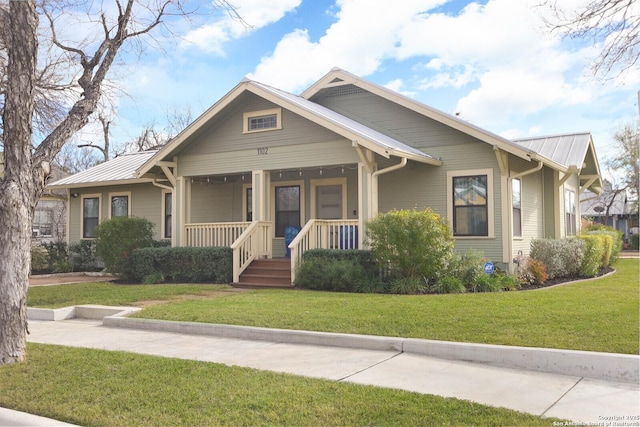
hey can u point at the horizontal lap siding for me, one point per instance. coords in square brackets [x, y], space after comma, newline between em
[146, 202]
[533, 205]
[395, 120]
[422, 186]
[211, 202]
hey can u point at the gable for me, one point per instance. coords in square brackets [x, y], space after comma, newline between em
[226, 132]
[390, 118]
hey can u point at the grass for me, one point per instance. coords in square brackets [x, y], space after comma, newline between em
[93, 387]
[597, 315]
[106, 293]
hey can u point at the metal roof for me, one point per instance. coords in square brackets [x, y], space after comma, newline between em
[390, 144]
[119, 170]
[567, 150]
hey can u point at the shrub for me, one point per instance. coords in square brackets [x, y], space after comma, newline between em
[488, 283]
[448, 285]
[411, 244]
[117, 237]
[561, 257]
[39, 258]
[635, 241]
[82, 256]
[338, 270]
[594, 253]
[153, 278]
[58, 254]
[409, 286]
[181, 264]
[467, 267]
[535, 272]
[616, 236]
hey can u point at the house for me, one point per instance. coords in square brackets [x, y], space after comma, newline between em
[50, 215]
[262, 160]
[612, 208]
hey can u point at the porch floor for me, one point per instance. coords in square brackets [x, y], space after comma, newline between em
[266, 273]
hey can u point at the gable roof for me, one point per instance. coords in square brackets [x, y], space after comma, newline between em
[120, 170]
[568, 150]
[348, 128]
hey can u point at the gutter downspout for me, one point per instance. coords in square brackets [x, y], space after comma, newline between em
[374, 183]
[166, 187]
[528, 172]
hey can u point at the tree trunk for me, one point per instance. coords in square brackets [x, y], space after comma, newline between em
[20, 187]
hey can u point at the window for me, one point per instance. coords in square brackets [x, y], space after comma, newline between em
[570, 212]
[470, 203]
[42, 223]
[167, 209]
[516, 206]
[287, 208]
[90, 216]
[258, 121]
[120, 204]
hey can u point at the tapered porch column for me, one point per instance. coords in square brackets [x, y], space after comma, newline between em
[261, 200]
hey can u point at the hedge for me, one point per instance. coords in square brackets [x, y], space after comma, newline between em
[181, 264]
[594, 254]
[336, 270]
[562, 257]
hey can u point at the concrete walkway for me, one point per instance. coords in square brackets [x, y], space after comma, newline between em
[378, 361]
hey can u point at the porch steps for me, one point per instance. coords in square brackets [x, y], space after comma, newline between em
[266, 273]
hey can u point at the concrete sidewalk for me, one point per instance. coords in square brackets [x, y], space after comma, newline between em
[574, 397]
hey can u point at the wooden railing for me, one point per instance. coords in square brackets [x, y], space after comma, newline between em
[323, 234]
[213, 234]
[254, 242]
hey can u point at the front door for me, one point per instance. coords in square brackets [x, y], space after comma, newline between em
[329, 201]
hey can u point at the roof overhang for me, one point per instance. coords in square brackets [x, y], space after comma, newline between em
[101, 183]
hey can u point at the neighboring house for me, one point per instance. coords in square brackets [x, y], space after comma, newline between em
[612, 208]
[262, 160]
[50, 215]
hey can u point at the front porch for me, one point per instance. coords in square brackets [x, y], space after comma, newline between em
[252, 245]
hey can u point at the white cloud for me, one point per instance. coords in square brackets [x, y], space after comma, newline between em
[255, 14]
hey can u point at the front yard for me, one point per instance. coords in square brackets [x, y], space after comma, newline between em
[597, 315]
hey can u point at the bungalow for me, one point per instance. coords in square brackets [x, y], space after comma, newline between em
[262, 160]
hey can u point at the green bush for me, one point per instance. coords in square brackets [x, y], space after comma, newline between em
[411, 244]
[82, 256]
[594, 253]
[58, 253]
[181, 265]
[635, 241]
[448, 285]
[337, 270]
[116, 238]
[467, 267]
[561, 257]
[616, 235]
[409, 286]
[39, 258]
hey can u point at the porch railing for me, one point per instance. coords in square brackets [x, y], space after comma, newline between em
[323, 234]
[213, 234]
[254, 242]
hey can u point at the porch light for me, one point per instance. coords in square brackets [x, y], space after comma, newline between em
[343, 169]
[300, 172]
[320, 171]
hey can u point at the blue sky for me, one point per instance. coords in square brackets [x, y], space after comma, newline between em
[491, 61]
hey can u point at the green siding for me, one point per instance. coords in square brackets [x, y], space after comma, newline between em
[146, 202]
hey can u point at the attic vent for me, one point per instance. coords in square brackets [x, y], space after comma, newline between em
[345, 90]
[336, 80]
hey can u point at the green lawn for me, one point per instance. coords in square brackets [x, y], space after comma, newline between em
[597, 315]
[93, 388]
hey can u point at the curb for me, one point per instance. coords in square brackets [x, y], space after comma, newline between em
[595, 365]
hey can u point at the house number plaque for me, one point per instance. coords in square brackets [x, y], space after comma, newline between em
[263, 151]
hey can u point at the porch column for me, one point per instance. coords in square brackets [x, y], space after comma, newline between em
[260, 203]
[178, 212]
[365, 200]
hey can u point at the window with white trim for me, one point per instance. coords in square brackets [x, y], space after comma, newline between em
[167, 216]
[470, 203]
[570, 212]
[516, 206]
[264, 120]
[90, 215]
[120, 205]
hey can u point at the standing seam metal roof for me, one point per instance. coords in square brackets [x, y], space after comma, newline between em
[121, 168]
[567, 150]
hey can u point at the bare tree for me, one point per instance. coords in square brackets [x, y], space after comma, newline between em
[154, 137]
[27, 168]
[613, 23]
[627, 160]
[104, 149]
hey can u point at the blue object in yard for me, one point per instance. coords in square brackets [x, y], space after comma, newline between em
[489, 268]
[290, 233]
[349, 241]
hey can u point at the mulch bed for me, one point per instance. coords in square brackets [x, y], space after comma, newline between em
[561, 280]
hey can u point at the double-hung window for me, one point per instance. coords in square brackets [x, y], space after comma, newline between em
[516, 206]
[470, 202]
[167, 205]
[90, 216]
[570, 212]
